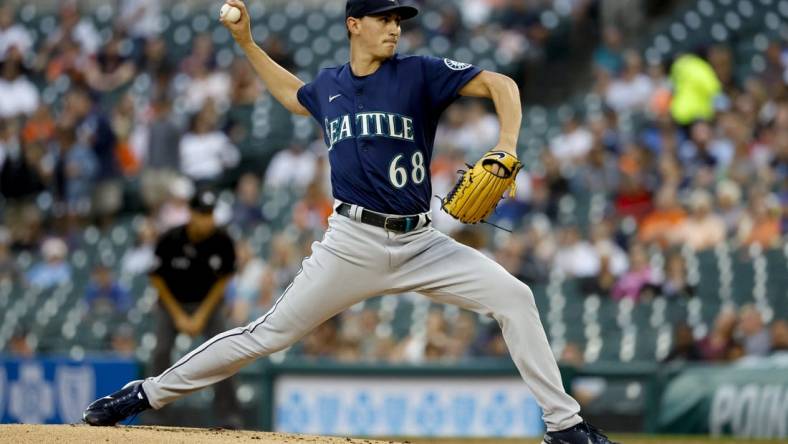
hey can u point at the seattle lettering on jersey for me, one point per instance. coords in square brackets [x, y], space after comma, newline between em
[369, 124]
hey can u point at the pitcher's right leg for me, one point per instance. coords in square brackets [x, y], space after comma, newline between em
[344, 269]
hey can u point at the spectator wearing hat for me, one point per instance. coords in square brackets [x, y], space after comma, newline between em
[194, 263]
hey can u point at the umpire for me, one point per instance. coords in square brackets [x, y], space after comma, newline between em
[194, 263]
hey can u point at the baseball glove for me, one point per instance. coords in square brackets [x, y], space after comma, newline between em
[479, 189]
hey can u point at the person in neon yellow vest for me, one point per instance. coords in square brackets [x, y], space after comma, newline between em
[695, 86]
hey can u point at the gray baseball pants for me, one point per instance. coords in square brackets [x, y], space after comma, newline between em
[356, 261]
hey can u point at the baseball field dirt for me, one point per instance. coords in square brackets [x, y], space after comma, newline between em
[71, 434]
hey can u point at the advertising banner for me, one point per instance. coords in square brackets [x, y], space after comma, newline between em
[406, 406]
[56, 390]
[745, 401]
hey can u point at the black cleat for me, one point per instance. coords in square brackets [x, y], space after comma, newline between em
[582, 433]
[109, 410]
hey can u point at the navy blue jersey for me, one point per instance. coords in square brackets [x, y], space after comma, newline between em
[380, 128]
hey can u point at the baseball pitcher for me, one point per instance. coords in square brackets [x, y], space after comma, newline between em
[379, 113]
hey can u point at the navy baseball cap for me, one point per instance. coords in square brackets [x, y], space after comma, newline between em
[203, 201]
[361, 8]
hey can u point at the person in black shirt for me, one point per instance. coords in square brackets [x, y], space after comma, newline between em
[193, 266]
[685, 348]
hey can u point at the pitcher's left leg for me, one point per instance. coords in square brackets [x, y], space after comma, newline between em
[449, 272]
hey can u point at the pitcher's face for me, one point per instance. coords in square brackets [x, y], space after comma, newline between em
[377, 34]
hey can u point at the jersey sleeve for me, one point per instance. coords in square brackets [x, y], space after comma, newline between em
[161, 257]
[444, 78]
[307, 96]
[227, 253]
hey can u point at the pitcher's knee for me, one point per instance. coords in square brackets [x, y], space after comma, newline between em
[268, 340]
[519, 302]
[518, 290]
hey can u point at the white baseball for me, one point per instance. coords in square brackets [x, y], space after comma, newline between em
[230, 13]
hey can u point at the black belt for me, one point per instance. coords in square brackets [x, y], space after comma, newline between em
[399, 224]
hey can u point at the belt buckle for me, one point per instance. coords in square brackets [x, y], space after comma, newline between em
[386, 225]
[409, 226]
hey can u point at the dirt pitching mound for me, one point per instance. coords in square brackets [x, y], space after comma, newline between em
[68, 434]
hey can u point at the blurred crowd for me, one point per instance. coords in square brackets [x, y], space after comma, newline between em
[735, 334]
[98, 124]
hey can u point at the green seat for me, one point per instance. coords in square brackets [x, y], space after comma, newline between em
[608, 310]
[676, 311]
[611, 344]
[573, 309]
[743, 279]
[575, 332]
[777, 279]
[400, 324]
[373, 303]
[709, 310]
[646, 346]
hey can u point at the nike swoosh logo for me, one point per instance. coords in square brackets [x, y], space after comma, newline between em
[332, 98]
